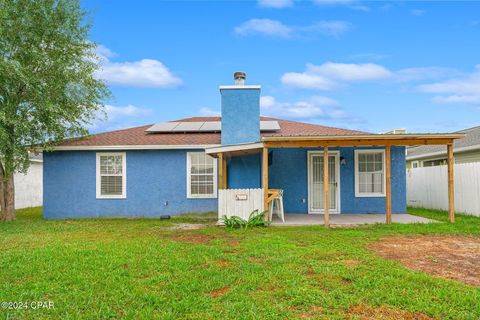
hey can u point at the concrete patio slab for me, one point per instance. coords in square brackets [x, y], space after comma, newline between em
[345, 219]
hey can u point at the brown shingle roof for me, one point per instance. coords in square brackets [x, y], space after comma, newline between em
[138, 136]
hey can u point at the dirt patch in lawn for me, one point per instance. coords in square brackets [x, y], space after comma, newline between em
[234, 251]
[200, 238]
[351, 263]
[188, 226]
[313, 312]
[365, 312]
[193, 238]
[222, 263]
[452, 257]
[220, 292]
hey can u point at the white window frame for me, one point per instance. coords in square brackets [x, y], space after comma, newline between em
[357, 179]
[189, 186]
[415, 163]
[124, 176]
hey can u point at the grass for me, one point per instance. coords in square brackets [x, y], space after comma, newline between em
[121, 268]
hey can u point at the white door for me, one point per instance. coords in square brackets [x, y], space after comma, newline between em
[315, 182]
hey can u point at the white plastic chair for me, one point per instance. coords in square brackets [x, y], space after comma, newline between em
[276, 206]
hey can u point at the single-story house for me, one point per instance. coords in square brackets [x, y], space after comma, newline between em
[182, 166]
[466, 150]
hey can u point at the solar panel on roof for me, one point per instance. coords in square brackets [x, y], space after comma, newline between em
[162, 127]
[203, 126]
[269, 126]
[188, 126]
[211, 126]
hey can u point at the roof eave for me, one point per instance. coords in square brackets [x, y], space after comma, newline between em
[133, 147]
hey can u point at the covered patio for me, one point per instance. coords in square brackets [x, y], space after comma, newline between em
[325, 144]
[345, 219]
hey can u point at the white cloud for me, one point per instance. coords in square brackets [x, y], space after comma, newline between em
[463, 89]
[307, 81]
[350, 71]
[275, 3]
[121, 117]
[104, 53]
[314, 107]
[424, 73]
[114, 113]
[207, 112]
[264, 26]
[331, 28]
[329, 75]
[352, 4]
[456, 99]
[141, 73]
[274, 28]
[466, 85]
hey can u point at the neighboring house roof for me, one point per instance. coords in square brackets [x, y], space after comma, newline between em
[138, 137]
[470, 142]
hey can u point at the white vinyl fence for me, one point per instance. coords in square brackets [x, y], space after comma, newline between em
[29, 187]
[427, 188]
[239, 202]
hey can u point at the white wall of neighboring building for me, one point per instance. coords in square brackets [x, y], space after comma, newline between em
[29, 187]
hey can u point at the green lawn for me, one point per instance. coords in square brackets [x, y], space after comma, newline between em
[144, 269]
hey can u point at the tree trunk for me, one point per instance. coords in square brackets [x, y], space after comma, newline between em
[2, 192]
[7, 198]
[9, 191]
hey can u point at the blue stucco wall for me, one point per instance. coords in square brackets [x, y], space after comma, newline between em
[240, 115]
[153, 177]
[244, 172]
[289, 172]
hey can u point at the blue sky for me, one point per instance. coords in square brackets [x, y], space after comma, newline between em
[372, 66]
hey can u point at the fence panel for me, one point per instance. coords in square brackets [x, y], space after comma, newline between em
[427, 188]
[239, 202]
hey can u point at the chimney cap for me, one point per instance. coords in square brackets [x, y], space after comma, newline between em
[239, 75]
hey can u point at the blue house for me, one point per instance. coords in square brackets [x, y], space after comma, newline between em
[180, 166]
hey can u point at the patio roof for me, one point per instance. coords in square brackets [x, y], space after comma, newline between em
[324, 142]
[333, 141]
[362, 140]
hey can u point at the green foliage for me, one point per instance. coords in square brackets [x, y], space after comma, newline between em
[255, 219]
[144, 269]
[48, 88]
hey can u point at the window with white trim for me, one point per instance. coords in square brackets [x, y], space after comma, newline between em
[369, 173]
[201, 175]
[111, 175]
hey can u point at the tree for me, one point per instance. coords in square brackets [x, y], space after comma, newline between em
[48, 88]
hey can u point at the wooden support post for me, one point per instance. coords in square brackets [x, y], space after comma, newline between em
[220, 170]
[388, 186]
[451, 190]
[325, 187]
[265, 183]
[224, 182]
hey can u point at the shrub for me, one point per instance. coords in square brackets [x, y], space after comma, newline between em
[256, 219]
